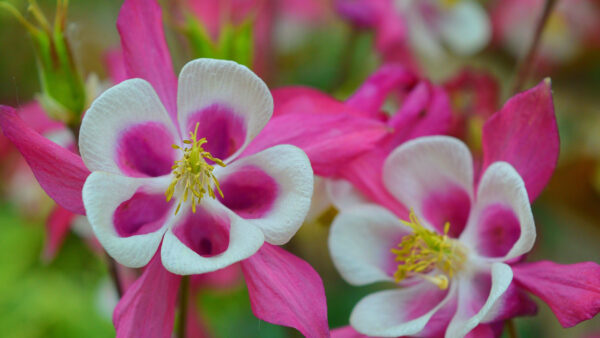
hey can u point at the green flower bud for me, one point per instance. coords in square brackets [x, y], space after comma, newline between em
[63, 91]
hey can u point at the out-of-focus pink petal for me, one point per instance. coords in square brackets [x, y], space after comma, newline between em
[148, 307]
[115, 63]
[524, 133]
[145, 49]
[194, 326]
[371, 95]
[285, 290]
[297, 99]
[223, 278]
[36, 118]
[571, 291]
[425, 111]
[329, 140]
[59, 171]
[57, 227]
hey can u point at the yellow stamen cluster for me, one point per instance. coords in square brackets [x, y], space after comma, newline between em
[424, 250]
[193, 173]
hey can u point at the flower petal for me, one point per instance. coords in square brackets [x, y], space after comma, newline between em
[402, 312]
[210, 239]
[145, 49]
[148, 307]
[477, 294]
[128, 215]
[360, 242]
[343, 195]
[285, 290]
[571, 291]
[466, 28]
[59, 171]
[329, 140]
[524, 133]
[433, 176]
[127, 131]
[298, 99]
[371, 95]
[230, 103]
[271, 190]
[57, 228]
[346, 332]
[501, 224]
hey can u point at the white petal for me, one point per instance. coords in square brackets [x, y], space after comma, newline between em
[244, 240]
[103, 193]
[227, 89]
[130, 103]
[501, 185]
[278, 181]
[344, 195]
[320, 201]
[464, 321]
[428, 167]
[466, 28]
[391, 313]
[360, 241]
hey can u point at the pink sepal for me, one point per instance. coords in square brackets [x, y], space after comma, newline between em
[285, 290]
[60, 172]
[148, 307]
[571, 291]
[329, 140]
[57, 228]
[371, 95]
[524, 133]
[346, 332]
[145, 49]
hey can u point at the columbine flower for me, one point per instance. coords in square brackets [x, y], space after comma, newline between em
[152, 177]
[571, 27]
[450, 257]
[427, 25]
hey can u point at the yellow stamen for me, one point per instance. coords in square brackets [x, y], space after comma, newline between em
[193, 174]
[424, 250]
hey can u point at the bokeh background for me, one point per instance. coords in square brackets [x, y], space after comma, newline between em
[71, 295]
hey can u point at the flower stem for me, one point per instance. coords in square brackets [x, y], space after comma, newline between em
[512, 331]
[183, 305]
[526, 64]
[114, 274]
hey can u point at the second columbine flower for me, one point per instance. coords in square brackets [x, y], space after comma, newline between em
[450, 257]
[181, 181]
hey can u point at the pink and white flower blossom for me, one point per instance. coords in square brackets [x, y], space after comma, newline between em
[151, 183]
[450, 258]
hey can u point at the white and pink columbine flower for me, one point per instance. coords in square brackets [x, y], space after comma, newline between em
[180, 180]
[450, 259]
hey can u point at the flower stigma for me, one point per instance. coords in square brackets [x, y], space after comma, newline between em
[192, 173]
[424, 250]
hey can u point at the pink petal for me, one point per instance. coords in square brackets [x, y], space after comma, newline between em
[329, 140]
[115, 64]
[371, 95]
[493, 330]
[426, 111]
[285, 290]
[148, 307]
[524, 133]
[206, 233]
[297, 99]
[57, 228]
[346, 332]
[59, 171]
[571, 291]
[36, 118]
[365, 173]
[515, 302]
[145, 50]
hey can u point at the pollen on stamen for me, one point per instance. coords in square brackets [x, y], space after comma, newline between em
[192, 175]
[424, 250]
